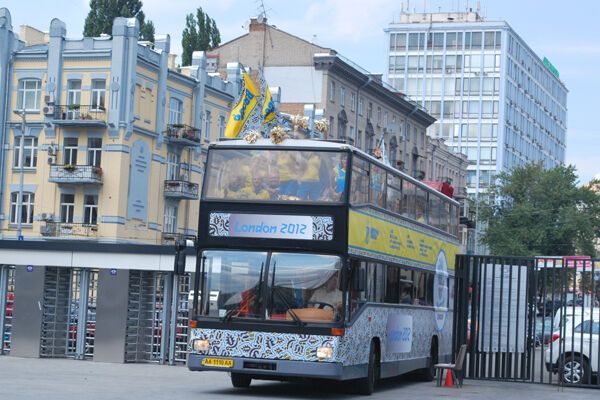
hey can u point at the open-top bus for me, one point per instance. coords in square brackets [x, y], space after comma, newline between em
[316, 260]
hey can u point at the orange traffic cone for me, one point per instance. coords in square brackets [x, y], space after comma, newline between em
[449, 382]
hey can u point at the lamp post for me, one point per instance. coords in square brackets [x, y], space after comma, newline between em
[20, 113]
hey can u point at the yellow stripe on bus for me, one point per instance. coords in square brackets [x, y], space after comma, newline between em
[372, 235]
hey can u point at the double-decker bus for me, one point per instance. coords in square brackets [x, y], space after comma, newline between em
[316, 260]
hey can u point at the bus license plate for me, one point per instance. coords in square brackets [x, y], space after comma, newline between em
[218, 362]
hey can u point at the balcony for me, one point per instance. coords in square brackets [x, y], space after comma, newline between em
[184, 135]
[170, 238]
[178, 189]
[76, 174]
[78, 115]
[68, 230]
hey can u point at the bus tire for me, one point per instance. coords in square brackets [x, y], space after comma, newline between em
[240, 380]
[366, 385]
[427, 374]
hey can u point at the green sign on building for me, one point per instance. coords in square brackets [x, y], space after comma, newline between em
[551, 67]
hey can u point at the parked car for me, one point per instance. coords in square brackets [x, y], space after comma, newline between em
[570, 356]
[549, 306]
[543, 331]
[566, 313]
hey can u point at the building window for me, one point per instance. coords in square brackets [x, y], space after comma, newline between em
[28, 96]
[175, 111]
[342, 96]
[221, 126]
[30, 148]
[94, 152]
[207, 125]
[172, 166]
[170, 220]
[361, 105]
[98, 94]
[353, 101]
[26, 208]
[90, 210]
[74, 92]
[370, 111]
[332, 91]
[67, 208]
[70, 151]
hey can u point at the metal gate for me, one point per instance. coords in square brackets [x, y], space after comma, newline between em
[7, 300]
[156, 331]
[146, 316]
[529, 319]
[69, 312]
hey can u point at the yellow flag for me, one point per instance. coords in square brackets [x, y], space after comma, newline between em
[242, 110]
[268, 110]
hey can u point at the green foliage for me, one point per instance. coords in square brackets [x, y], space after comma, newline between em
[102, 13]
[534, 211]
[200, 34]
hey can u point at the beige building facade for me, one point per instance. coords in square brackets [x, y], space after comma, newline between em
[320, 83]
[113, 139]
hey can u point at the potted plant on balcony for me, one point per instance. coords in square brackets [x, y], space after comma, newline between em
[74, 106]
[69, 167]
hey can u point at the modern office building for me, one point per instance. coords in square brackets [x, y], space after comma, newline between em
[494, 98]
[100, 168]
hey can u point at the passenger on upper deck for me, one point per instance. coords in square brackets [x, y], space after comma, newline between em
[310, 187]
[288, 173]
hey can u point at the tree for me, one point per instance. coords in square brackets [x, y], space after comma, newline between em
[534, 211]
[103, 12]
[200, 34]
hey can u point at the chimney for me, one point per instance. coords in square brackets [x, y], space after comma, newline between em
[258, 24]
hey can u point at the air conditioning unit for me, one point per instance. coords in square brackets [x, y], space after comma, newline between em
[49, 110]
[51, 150]
[47, 216]
[48, 99]
[52, 159]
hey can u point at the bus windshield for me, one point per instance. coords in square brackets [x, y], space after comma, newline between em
[275, 175]
[297, 287]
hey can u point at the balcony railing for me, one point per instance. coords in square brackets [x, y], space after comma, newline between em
[183, 134]
[76, 114]
[76, 174]
[181, 189]
[69, 230]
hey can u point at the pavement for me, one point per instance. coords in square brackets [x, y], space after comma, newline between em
[50, 379]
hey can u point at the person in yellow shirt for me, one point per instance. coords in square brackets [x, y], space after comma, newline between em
[257, 189]
[288, 173]
[310, 187]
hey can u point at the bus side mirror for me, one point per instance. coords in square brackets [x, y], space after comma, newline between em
[359, 277]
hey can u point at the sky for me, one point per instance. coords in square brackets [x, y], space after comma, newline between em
[567, 33]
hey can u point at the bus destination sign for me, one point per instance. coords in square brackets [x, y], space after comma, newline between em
[269, 226]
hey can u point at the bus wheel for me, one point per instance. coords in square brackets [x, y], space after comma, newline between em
[367, 384]
[428, 373]
[240, 380]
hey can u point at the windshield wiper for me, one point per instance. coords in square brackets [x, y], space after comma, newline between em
[282, 298]
[288, 305]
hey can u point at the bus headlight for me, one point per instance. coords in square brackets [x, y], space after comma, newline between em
[324, 353]
[200, 345]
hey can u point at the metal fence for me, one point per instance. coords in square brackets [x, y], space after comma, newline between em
[529, 319]
[7, 300]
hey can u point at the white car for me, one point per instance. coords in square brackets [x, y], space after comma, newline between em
[567, 313]
[575, 356]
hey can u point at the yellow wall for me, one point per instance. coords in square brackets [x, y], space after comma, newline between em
[113, 193]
